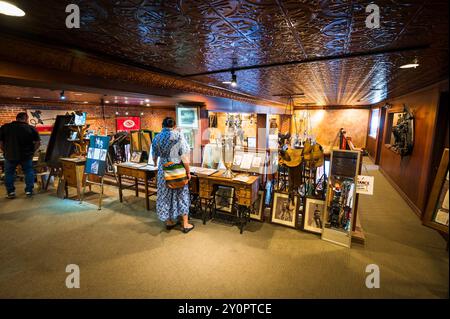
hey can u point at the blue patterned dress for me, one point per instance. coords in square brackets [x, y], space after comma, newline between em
[170, 146]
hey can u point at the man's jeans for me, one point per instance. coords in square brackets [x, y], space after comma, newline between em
[10, 174]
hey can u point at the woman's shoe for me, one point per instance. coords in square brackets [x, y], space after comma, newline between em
[169, 227]
[187, 230]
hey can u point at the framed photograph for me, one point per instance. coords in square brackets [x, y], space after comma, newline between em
[187, 117]
[251, 142]
[189, 137]
[284, 209]
[436, 214]
[314, 215]
[136, 157]
[258, 211]
[224, 199]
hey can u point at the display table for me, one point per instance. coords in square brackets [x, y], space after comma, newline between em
[73, 173]
[138, 172]
[246, 193]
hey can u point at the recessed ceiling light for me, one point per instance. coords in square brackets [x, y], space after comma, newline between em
[147, 100]
[126, 113]
[117, 113]
[414, 65]
[78, 94]
[409, 66]
[85, 102]
[148, 104]
[17, 98]
[36, 97]
[142, 113]
[107, 102]
[10, 9]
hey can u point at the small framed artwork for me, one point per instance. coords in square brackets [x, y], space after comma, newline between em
[136, 157]
[187, 117]
[258, 208]
[224, 199]
[437, 211]
[251, 142]
[314, 215]
[189, 137]
[284, 209]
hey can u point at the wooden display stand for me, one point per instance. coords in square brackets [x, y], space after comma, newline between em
[145, 173]
[73, 174]
[246, 193]
[91, 179]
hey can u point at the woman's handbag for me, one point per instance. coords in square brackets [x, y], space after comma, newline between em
[175, 175]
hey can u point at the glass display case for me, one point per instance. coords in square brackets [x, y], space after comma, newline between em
[341, 197]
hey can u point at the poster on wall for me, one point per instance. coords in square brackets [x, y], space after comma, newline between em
[127, 124]
[44, 120]
[96, 156]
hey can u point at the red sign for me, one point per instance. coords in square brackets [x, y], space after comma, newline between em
[127, 124]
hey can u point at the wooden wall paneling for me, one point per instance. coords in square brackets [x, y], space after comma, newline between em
[262, 122]
[411, 174]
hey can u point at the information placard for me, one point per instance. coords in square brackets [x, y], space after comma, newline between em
[364, 184]
[96, 156]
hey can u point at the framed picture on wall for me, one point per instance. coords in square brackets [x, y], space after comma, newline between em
[437, 213]
[314, 215]
[284, 209]
[189, 137]
[187, 117]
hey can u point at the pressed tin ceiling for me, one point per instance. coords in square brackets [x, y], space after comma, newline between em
[189, 37]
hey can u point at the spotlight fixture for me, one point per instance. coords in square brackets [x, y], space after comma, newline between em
[10, 9]
[233, 79]
[85, 102]
[117, 113]
[62, 96]
[126, 113]
[142, 113]
[147, 100]
[414, 65]
[148, 104]
[107, 102]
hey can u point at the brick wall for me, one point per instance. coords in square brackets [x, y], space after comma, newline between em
[151, 118]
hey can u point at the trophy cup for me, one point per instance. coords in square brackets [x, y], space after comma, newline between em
[228, 155]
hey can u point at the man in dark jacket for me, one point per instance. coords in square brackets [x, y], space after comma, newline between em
[19, 141]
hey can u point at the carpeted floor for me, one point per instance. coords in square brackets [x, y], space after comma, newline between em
[124, 252]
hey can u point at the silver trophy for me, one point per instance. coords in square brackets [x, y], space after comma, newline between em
[228, 148]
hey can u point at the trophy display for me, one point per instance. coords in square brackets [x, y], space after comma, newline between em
[228, 150]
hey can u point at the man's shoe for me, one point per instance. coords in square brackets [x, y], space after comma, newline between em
[11, 195]
[29, 194]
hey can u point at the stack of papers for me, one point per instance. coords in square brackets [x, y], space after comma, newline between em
[241, 178]
[203, 170]
[148, 167]
[131, 164]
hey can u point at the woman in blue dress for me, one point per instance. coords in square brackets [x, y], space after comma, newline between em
[172, 204]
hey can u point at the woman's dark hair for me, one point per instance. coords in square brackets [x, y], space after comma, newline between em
[168, 122]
